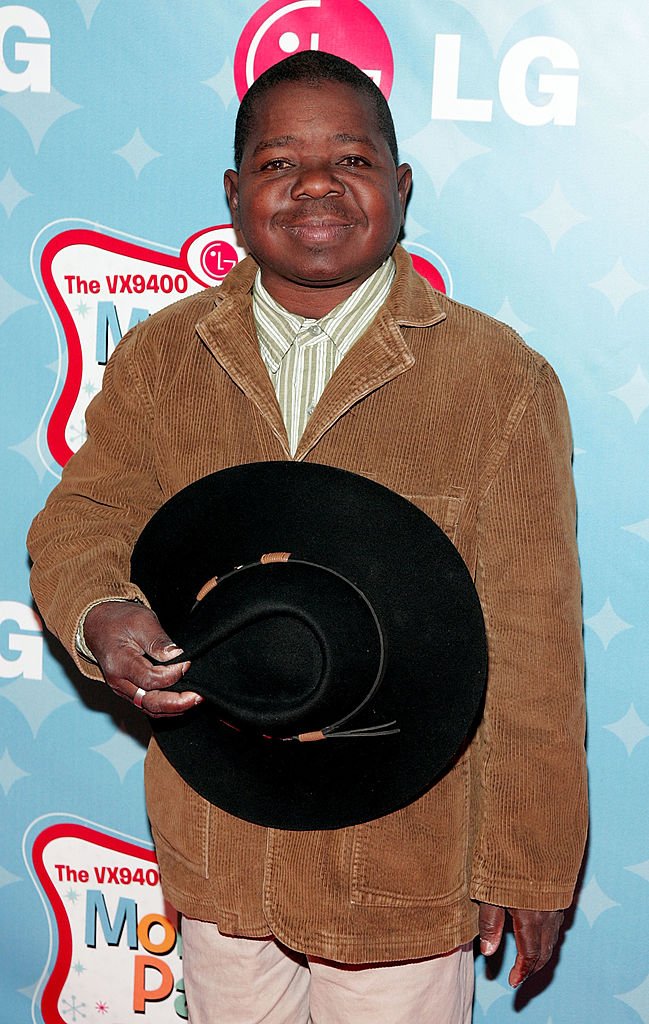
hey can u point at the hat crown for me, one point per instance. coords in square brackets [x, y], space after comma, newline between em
[283, 648]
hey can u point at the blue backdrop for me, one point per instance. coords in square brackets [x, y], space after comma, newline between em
[527, 125]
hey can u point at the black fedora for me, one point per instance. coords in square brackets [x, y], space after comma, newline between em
[334, 631]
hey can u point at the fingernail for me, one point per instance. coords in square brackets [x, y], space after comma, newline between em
[185, 667]
[172, 647]
[487, 948]
[198, 699]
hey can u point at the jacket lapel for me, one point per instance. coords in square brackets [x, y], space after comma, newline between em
[378, 357]
[229, 333]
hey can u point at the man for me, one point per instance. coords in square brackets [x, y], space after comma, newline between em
[325, 346]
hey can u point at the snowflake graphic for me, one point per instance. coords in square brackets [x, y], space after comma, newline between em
[82, 309]
[72, 896]
[77, 432]
[78, 968]
[89, 387]
[73, 1008]
[101, 1006]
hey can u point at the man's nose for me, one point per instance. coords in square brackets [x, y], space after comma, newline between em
[315, 181]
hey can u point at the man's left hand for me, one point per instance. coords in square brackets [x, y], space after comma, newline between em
[535, 931]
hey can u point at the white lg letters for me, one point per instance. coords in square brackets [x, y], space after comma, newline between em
[29, 663]
[36, 75]
[561, 88]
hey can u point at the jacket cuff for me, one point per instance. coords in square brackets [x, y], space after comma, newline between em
[72, 635]
[521, 896]
[80, 644]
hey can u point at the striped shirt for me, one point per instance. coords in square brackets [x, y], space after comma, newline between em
[301, 354]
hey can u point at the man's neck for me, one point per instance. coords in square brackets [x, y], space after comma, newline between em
[311, 302]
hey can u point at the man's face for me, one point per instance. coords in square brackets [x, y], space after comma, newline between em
[318, 199]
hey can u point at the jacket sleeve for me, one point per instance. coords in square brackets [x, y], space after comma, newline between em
[81, 542]
[532, 780]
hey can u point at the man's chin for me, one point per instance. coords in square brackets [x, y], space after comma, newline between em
[319, 270]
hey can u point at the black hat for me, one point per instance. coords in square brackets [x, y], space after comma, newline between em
[334, 631]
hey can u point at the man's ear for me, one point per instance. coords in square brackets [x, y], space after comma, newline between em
[404, 183]
[231, 185]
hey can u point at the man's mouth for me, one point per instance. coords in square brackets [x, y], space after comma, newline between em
[317, 229]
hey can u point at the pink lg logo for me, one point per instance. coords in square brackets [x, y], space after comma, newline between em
[343, 27]
[217, 258]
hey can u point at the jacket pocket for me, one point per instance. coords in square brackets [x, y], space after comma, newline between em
[416, 856]
[179, 817]
[443, 509]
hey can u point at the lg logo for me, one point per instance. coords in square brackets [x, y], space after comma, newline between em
[24, 55]
[344, 27]
[560, 85]
[26, 644]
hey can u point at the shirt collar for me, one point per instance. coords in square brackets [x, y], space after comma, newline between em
[278, 329]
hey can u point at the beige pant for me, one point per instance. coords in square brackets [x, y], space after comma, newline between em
[257, 981]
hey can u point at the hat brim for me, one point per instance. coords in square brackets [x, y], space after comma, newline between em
[423, 596]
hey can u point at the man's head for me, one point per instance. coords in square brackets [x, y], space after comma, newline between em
[312, 67]
[318, 196]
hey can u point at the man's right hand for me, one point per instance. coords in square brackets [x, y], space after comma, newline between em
[121, 634]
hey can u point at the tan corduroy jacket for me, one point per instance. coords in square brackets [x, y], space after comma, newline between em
[451, 409]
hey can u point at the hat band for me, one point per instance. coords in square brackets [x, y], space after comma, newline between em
[334, 730]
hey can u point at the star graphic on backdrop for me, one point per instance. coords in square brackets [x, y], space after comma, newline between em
[11, 300]
[11, 193]
[555, 216]
[71, 896]
[101, 1006]
[122, 751]
[88, 8]
[593, 901]
[29, 990]
[9, 772]
[618, 285]
[640, 869]
[36, 699]
[78, 967]
[634, 394]
[638, 1000]
[631, 729]
[82, 309]
[6, 877]
[37, 111]
[29, 450]
[415, 230]
[89, 388]
[223, 83]
[441, 148]
[606, 624]
[137, 153]
[641, 528]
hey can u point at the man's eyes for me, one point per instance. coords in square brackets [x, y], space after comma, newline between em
[281, 164]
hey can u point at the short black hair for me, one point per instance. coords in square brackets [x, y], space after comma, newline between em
[312, 67]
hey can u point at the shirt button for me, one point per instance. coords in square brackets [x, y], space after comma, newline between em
[310, 410]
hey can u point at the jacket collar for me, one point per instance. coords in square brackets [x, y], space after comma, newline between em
[379, 356]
